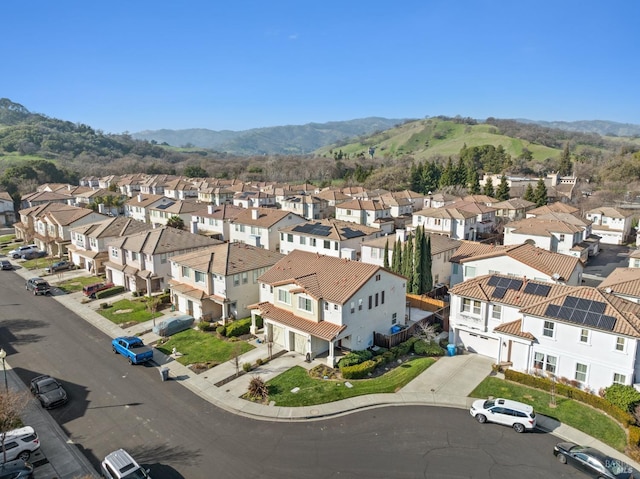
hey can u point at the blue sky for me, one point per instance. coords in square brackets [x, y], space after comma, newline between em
[135, 65]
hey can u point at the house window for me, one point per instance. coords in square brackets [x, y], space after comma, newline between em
[335, 246]
[353, 307]
[327, 244]
[619, 379]
[134, 256]
[305, 304]
[348, 212]
[496, 312]
[236, 279]
[470, 271]
[335, 307]
[360, 305]
[289, 238]
[382, 297]
[545, 362]
[114, 252]
[313, 241]
[581, 372]
[284, 296]
[256, 231]
[584, 335]
[370, 302]
[245, 277]
[376, 300]
[200, 276]
[163, 258]
[374, 253]
[470, 306]
[548, 328]
[303, 240]
[378, 277]
[394, 318]
[620, 343]
[185, 271]
[561, 237]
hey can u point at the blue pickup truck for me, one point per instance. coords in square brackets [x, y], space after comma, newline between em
[132, 348]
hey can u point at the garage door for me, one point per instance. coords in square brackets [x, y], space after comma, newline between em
[300, 343]
[278, 336]
[477, 343]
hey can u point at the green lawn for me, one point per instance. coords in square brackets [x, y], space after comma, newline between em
[570, 412]
[5, 238]
[125, 310]
[320, 391]
[200, 347]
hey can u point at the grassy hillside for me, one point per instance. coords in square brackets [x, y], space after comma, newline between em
[425, 139]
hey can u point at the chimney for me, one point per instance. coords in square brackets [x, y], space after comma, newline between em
[101, 209]
[210, 209]
[139, 197]
[401, 235]
[255, 214]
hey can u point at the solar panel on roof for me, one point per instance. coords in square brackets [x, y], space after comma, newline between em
[607, 322]
[349, 233]
[565, 313]
[570, 301]
[591, 319]
[499, 293]
[552, 310]
[515, 284]
[577, 316]
[597, 307]
[493, 281]
[583, 304]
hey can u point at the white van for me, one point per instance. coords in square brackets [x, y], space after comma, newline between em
[120, 465]
[20, 443]
[20, 250]
[514, 414]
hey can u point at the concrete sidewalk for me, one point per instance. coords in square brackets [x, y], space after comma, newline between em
[448, 382]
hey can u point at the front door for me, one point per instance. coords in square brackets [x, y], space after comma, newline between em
[190, 307]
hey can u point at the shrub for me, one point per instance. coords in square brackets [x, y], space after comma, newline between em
[355, 357]
[105, 293]
[634, 435]
[358, 371]
[380, 351]
[624, 397]
[257, 388]
[259, 361]
[430, 348]
[246, 367]
[406, 347]
[135, 294]
[204, 326]
[239, 327]
[104, 305]
[388, 356]
[259, 322]
[221, 330]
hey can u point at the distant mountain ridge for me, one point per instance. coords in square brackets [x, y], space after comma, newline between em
[287, 140]
[601, 127]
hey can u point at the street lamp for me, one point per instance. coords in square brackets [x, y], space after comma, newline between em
[3, 354]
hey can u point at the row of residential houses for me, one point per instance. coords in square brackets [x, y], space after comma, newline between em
[314, 272]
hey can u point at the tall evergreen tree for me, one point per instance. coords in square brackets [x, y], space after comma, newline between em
[448, 176]
[502, 193]
[540, 196]
[407, 262]
[385, 261]
[396, 261]
[565, 167]
[488, 188]
[428, 264]
[416, 284]
[528, 193]
[473, 184]
[430, 177]
[461, 173]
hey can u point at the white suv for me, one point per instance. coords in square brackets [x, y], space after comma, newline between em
[515, 414]
[20, 250]
[120, 465]
[20, 443]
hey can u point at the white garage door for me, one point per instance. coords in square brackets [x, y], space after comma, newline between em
[477, 343]
[300, 343]
[278, 336]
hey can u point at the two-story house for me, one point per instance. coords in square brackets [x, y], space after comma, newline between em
[485, 215]
[139, 206]
[180, 189]
[520, 261]
[216, 195]
[310, 207]
[456, 223]
[219, 282]
[53, 227]
[215, 220]
[140, 262]
[442, 250]
[581, 335]
[612, 225]
[313, 304]
[7, 209]
[89, 243]
[261, 226]
[254, 199]
[183, 209]
[372, 213]
[329, 237]
[513, 209]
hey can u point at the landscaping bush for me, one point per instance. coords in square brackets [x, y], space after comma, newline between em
[205, 326]
[165, 298]
[109, 292]
[379, 360]
[104, 305]
[246, 367]
[259, 361]
[259, 322]
[239, 327]
[379, 351]
[221, 330]
[634, 435]
[624, 397]
[623, 417]
[358, 371]
[388, 356]
[406, 347]
[431, 348]
[355, 357]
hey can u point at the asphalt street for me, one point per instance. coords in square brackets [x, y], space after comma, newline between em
[179, 435]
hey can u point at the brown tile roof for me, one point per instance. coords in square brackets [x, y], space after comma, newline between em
[622, 281]
[180, 207]
[513, 204]
[365, 205]
[514, 328]
[479, 199]
[229, 258]
[557, 207]
[69, 216]
[143, 200]
[222, 212]
[610, 212]
[333, 279]
[439, 243]
[163, 240]
[113, 227]
[267, 217]
[447, 212]
[323, 329]
[538, 227]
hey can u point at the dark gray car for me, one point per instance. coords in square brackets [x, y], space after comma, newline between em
[17, 469]
[48, 391]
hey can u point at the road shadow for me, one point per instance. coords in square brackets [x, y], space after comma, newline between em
[13, 331]
[163, 453]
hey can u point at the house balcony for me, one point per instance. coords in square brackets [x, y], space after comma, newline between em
[470, 321]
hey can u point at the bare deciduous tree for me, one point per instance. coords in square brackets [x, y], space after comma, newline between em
[12, 404]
